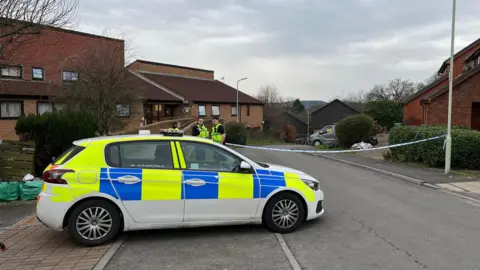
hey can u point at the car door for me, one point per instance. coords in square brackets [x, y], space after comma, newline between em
[328, 134]
[214, 188]
[146, 177]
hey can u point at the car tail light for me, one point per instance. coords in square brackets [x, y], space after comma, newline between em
[55, 176]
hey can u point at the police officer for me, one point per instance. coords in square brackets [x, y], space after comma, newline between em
[175, 126]
[200, 129]
[218, 131]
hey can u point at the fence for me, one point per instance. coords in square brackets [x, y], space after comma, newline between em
[16, 159]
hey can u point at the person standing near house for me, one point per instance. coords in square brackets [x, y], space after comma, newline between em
[175, 126]
[200, 130]
[218, 131]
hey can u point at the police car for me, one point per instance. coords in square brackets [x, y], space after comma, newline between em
[105, 185]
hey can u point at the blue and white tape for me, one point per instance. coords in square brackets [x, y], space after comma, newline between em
[336, 151]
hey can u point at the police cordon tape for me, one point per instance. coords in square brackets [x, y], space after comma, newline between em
[336, 151]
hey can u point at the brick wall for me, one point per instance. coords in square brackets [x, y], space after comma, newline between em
[254, 119]
[463, 96]
[168, 69]
[7, 127]
[135, 119]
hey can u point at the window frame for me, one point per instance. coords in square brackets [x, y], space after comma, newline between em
[12, 101]
[129, 110]
[45, 102]
[240, 159]
[12, 77]
[204, 110]
[218, 110]
[70, 81]
[43, 74]
[107, 147]
[234, 114]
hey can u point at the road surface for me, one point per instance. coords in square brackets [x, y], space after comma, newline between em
[372, 222]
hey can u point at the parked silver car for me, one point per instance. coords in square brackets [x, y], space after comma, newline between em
[327, 136]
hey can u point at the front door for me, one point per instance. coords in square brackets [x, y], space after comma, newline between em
[145, 176]
[214, 190]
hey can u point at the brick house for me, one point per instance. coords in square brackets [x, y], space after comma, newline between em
[30, 78]
[414, 111]
[197, 93]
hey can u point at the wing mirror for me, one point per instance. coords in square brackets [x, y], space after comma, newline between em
[244, 166]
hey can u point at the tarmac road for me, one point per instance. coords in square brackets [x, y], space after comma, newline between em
[372, 222]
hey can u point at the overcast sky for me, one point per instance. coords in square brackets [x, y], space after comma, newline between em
[310, 49]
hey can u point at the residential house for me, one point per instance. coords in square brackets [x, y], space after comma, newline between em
[299, 121]
[330, 113]
[415, 111]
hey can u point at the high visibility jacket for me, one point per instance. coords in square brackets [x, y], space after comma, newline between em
[216, 137]
[173, 129]
[203, 131]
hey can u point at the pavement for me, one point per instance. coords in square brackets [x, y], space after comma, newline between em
[372, 221]
[11, 213]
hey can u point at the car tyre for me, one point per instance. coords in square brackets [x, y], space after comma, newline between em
[317, 143]
[280, 210]
[94, 222]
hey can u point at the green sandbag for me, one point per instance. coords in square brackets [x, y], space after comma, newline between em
[9, 191]
[30, 190]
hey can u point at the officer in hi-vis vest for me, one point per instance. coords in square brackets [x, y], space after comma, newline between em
[200, 129]
[218, 131]
[175, 126]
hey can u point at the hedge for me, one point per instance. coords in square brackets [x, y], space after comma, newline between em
[465, 146]
[353, 129]
[236, 133]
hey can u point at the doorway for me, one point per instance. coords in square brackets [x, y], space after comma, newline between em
[158, 112]
[476, 115]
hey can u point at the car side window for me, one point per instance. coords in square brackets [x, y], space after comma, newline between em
[205, 157]
[326, 129]
[140, 154]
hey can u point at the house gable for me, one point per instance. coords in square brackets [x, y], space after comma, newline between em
[331, 113]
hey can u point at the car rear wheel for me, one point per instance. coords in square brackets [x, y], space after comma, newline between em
[317, 143]
[94, 222]
[284, 213]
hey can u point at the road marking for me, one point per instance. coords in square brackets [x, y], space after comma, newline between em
[291, 259]
[110, 253]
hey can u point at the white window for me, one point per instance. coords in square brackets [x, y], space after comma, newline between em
[123, 110]
[201, 110]
[11, 72]
[215, 110]
[37, 74]
[234, 110]
[478, 61]
[44, 107]
[10, 109]
[69, 76]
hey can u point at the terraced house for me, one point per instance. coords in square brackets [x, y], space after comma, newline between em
[30, 80]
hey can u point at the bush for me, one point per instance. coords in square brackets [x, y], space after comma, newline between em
[353, 129]
[290, 133]
[236, 133]
[24, 127]
[465, 146]
[55, 132]
[385, 112]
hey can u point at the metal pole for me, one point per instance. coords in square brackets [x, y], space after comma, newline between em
[238, 109]
[308, 126]
[448, 146]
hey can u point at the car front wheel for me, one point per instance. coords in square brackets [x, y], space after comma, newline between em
[317, 143]
[94, 222]
[284, 213]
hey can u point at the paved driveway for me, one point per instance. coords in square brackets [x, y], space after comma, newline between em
[371, 222]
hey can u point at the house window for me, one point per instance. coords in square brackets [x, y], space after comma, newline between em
[234, 110]
[248, 110]
[69, 76]
[37, 74]
[123, 110]
[44, 107]
[478, 61]
[201, 110]
[215, 110]
[11, 72]
[11, 109]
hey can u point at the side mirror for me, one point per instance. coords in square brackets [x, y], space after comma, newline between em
[244, 166]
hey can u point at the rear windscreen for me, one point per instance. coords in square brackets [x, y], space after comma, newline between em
[67, 155]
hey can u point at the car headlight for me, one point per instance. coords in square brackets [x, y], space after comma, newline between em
[315, 185]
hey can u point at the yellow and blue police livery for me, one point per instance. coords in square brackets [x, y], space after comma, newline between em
[105, 185]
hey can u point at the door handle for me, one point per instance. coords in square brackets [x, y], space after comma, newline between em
[128, 179]
[195, 182]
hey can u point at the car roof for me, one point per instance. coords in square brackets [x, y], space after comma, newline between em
[136, 137]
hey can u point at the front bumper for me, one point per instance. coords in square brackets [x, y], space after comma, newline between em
[315, 208]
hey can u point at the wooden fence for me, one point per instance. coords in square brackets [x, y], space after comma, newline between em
[16, 159]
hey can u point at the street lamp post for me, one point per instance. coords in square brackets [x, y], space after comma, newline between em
[238, 110]
[448, 146]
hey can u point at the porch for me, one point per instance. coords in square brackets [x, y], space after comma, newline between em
[155, 112]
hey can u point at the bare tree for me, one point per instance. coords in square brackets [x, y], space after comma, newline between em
[358, 97]
[269, 94]
[100, 86]
[397, 90]
[22, 20]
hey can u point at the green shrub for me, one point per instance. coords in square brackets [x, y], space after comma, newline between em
[385, 112]
[55, 132]
[236, 133]
[290, 133]
[24, 127]
[353, 129]
[465, 146]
